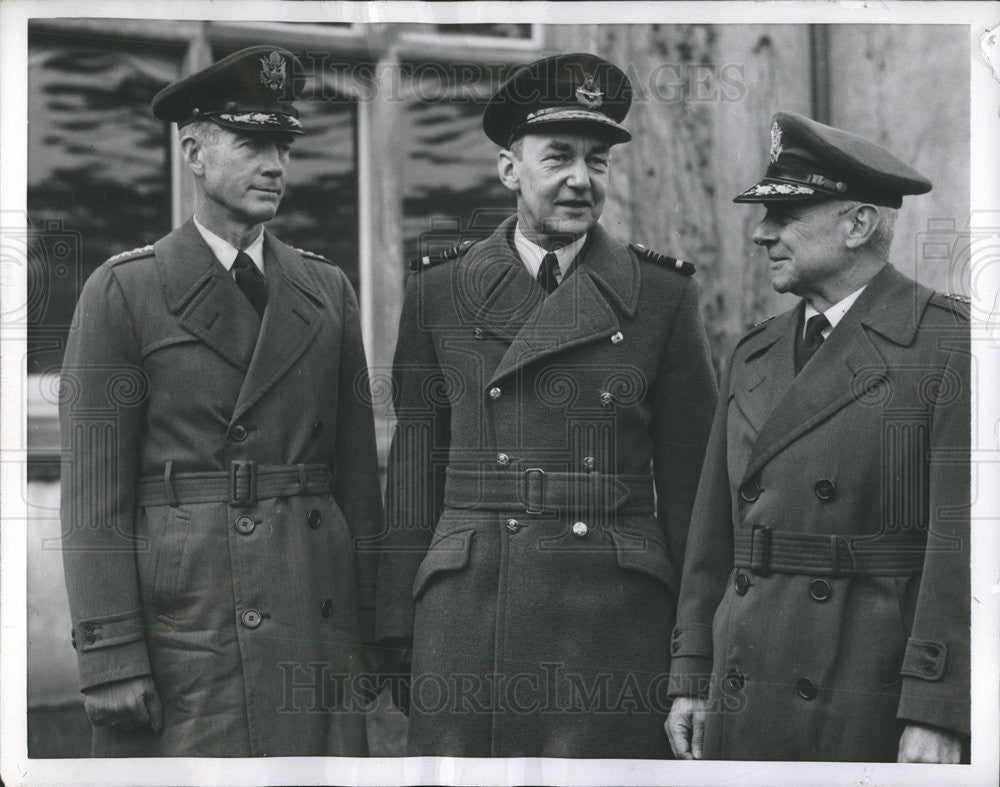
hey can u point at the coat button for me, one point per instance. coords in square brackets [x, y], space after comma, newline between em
[314, 517]
[606, 399]
[806, 689]
[825, 489]
[750, 491]
[251, 618]
[478, 333]
[579, 529]
[617, 337]
[326, 608]
[589, 463]
[675, 646]
[245, 525]
[495, 393]
[90, 639]
[513, 525]
[734, 680]
[676, 633]
[820, 590]
[238, 433]
[742, 584]
[503, 460]
[317, 429]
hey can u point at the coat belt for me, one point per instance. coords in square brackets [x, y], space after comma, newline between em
[242, 486]
[536, 491]
[762, 550]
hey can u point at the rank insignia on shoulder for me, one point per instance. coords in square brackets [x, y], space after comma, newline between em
[956, 297]
[430, 260]
[681, 266]
[132, 254]
[314, 256]
[761, 322]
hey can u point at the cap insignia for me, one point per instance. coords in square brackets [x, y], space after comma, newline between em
[771, 189]
[588, 93]
[272, 71]
[776, 148]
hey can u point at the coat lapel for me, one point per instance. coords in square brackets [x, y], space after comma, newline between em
[211, 306]
[768, 368]
[579, 310]
[846, 367]
[291, 321]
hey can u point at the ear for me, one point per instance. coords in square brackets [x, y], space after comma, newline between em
[863, 225]
[193, 152]
[507, 167]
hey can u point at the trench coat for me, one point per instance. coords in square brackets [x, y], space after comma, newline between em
[525, 555]
[247, 607]
[826, 581]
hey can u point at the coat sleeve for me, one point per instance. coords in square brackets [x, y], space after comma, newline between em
[101, 403]
[708, 561]
[416, 472]
[935, 671]
[357, 489]
[685, 397]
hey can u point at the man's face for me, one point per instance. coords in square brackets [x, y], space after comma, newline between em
[561, 180]
[244, 174]
[805, 243]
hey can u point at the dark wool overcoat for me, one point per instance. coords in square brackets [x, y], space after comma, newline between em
[525, 554]
[823, 648]
[248, 618]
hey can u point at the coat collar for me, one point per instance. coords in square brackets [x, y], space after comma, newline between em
[211, 306]
[845, 369]
[497, 291]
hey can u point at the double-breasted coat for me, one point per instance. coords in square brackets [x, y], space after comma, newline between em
[826, 581]
[540, 482]
[247, 605]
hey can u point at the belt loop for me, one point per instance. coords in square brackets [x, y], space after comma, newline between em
[168, 483]
[534, 490]
[247, 473]
[760, 549]
[303, 485]
[834, 555]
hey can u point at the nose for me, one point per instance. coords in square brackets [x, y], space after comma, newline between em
[273, 161]
[763, 233]
[579, 176]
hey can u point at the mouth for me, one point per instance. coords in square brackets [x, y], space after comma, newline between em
[265, 190]
[574, 204]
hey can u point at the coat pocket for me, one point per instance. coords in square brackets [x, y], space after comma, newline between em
[170, 555]
[646, 555]
[449, 553]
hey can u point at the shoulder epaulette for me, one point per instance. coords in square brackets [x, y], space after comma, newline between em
[314, 256]
[959, 304]
[755, 329]
[131, 254]
[681, 266]
[430, 260]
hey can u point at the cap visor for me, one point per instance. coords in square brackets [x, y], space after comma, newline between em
[578, 117]
[259, 122]
[769, 190]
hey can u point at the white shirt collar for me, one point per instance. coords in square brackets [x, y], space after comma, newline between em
[531, 253]
[834, 314]
[225, 252]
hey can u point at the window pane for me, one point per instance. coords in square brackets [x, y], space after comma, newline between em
[450, 178]
[98, 173]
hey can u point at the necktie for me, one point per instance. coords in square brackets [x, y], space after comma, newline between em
[806, 347]
[547, 272]
[251, 281]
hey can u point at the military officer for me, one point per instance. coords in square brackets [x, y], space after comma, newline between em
[553, 390]
[220, 472]
[826, 581]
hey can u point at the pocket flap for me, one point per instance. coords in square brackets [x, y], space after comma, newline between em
[647, 555]
[449, 553]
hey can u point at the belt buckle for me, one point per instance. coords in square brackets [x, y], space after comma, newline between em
[760, 549]
[247, 473]
[534, 490]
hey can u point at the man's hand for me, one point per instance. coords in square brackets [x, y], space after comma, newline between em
[685, 727]
[923, 743]
[125, 704]
[396, 671]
